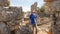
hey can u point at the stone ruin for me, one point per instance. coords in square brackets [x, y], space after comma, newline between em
[10, 18]
[53, 7]
[34, 6]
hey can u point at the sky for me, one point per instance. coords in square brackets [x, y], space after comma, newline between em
[26, 4]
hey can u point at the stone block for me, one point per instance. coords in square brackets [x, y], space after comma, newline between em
[4, 3]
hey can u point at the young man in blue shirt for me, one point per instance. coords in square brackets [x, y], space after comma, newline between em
[33, 20]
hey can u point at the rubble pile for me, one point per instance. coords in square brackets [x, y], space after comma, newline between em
[25, 30]
[45, 24]
[13, 25]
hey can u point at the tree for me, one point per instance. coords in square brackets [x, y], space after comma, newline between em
[42, 9]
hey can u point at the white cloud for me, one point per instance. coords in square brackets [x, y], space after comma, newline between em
[25, 9]
[30, 0]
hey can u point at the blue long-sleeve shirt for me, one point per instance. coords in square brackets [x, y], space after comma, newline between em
[33, 18]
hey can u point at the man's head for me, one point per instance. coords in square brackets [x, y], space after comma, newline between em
[33, 11]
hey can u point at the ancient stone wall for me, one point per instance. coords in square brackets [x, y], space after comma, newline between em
[10, 18]
[56, 11]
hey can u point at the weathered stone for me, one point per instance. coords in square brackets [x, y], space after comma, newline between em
[56, 8]
[10, 13]
[34, 6]
[4, 3]
[48, 0]
[11, 16]
[13, 25]
[3, 28]
[25, 30]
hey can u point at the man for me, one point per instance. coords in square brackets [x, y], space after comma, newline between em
[33, 20]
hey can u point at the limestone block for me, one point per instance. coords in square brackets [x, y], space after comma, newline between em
[13, 25]
[48, 0]
[3, 28]
[4, 3]
[8, 14]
